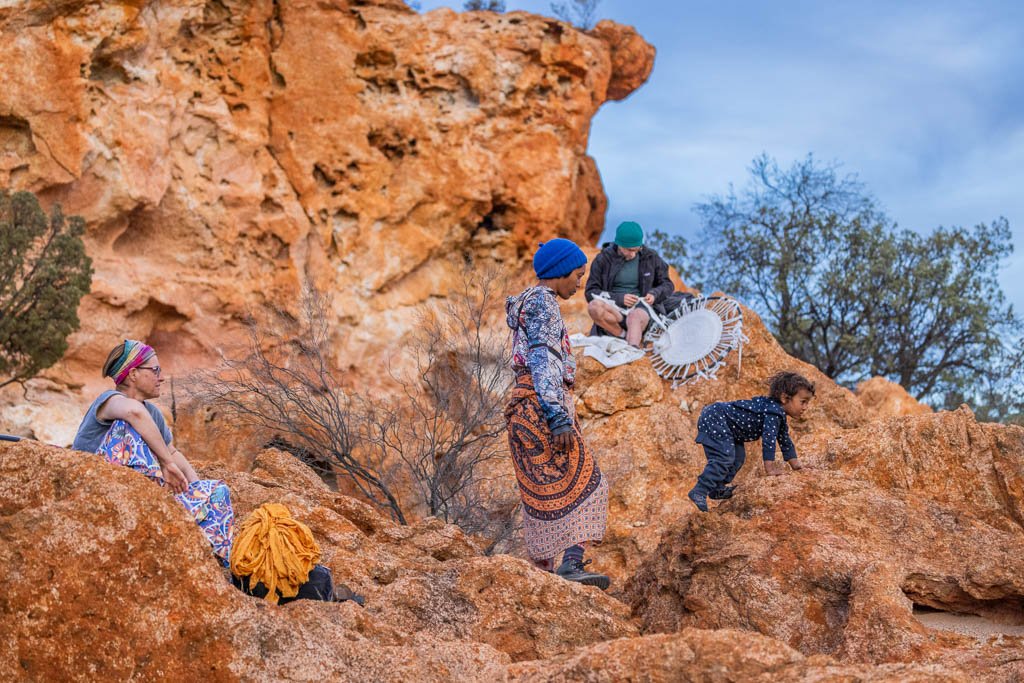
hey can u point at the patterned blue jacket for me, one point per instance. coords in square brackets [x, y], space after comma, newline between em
[540, 346]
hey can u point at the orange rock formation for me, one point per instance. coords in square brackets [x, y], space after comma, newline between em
[882, 398]
[225, 154]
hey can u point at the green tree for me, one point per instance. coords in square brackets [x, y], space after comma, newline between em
[485, 5]
[843, 289]
[942, 323]
[581, 13]
[44, 273]
[797, 245]
[999, 394]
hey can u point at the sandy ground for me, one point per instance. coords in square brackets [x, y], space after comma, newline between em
[967, 624]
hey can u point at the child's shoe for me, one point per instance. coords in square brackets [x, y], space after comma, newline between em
[699, 499]
[723, 493]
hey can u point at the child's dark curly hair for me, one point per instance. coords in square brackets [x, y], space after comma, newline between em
[788, 383]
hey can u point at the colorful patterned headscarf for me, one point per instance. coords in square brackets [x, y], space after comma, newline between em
[135, 354]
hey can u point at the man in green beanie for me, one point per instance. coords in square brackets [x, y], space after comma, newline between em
[625, 272]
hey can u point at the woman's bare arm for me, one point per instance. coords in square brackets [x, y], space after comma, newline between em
[134, 413]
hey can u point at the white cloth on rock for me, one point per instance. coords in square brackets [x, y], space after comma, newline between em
[608, 351]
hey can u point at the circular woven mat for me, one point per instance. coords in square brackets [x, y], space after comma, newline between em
[690, 338]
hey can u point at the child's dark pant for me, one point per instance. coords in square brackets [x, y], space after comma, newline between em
[723, 465]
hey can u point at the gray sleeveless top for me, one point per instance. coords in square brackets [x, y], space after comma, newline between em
[92, 430]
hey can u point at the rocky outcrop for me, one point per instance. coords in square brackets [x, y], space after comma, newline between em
[108, 578]
[642, 432]
[946, 457]
[810, 575]
[226, 154]
[833, 565]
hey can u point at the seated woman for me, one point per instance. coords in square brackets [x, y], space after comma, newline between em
[126, 429]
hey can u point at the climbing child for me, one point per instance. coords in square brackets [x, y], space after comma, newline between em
[724, 427]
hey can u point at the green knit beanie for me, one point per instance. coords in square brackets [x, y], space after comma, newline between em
[629, 235]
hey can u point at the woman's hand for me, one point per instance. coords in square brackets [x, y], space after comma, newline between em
[630, 300]
[562, 442]
[174, 477]
[184, 465]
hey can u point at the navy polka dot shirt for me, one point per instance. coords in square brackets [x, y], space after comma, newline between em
[726, 423]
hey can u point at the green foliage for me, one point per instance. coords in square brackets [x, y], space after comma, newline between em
[44, 273]
[842, 288]
[484, 5]
[943, 318]
[581, 13]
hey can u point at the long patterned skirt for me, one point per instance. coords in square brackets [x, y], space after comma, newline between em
[207, 500]
[565, 498]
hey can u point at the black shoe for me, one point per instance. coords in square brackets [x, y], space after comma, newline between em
[698, 499]
[573, 570]
[723, 493]
[343, 593]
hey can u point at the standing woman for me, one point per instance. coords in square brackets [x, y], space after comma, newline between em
[565, 498]
[126, 429]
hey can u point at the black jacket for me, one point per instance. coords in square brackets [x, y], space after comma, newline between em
[653, 274]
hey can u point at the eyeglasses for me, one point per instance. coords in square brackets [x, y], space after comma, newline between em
[155, 369]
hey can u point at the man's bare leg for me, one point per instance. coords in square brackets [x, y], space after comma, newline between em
[606, 317]
[636, 323]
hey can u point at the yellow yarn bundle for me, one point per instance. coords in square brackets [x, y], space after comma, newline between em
[274, 549]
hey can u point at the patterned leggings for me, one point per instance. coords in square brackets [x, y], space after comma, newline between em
[207, 500]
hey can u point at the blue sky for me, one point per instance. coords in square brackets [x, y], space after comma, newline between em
[923, 100]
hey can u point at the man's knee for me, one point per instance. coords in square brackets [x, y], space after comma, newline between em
[602, 312]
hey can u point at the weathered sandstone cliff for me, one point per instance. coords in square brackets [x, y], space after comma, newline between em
[227, 153]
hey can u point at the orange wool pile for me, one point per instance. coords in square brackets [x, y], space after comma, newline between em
[274, 549]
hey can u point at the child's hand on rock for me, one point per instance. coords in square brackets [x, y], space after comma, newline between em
[773, 469]
[795, 464]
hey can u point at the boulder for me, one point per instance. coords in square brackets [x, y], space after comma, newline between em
[948, 457]
[882, 398]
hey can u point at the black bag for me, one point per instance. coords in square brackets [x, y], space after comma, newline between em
[319, 586]
[672, 302]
